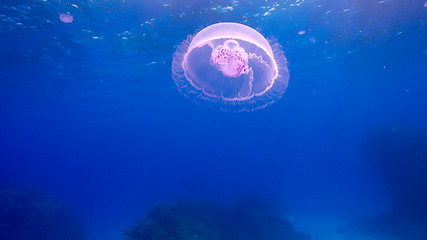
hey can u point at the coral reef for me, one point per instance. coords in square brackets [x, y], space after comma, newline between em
[399, 155]
[183, 220]
[29, 214]
[180, 221]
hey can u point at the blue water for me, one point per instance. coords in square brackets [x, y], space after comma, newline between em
[89, 112]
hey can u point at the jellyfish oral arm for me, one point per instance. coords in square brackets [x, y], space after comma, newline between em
[231, 59]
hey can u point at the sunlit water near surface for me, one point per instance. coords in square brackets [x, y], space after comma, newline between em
[90, 114]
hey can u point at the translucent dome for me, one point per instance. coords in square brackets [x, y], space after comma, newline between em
[230, 66]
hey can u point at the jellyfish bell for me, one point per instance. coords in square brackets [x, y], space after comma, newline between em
[230, 66]
[66, 18]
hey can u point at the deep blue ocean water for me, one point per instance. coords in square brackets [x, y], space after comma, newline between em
[89, 112]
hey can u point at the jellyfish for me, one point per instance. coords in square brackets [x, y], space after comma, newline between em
[230, 66]
[66, 18]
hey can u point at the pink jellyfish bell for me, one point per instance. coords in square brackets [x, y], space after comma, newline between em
[66, 18]
[230, 66]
